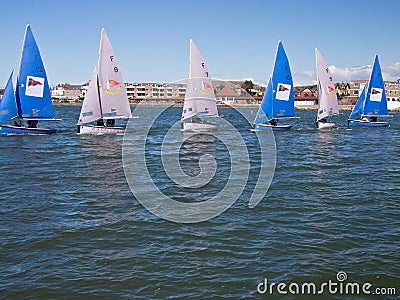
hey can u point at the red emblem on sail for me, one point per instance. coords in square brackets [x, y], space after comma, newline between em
[282, 88]
[32, 82]
[374, 92]
[113, 82]
[206, 85]
[330, 89]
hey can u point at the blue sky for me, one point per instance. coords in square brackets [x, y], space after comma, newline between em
[236, 38]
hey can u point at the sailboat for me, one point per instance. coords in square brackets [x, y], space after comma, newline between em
[278, 100]
[372, 102]
[327, 98]
[106, 97]
[32, 99]
[200, 102]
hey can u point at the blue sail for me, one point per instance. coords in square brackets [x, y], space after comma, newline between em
[33, 92]
[283, 93]
[8, 107]
[278, 100]
[265, 111]
[375, 101]
[358, 109]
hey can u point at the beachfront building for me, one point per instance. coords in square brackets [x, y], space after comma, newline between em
[229, 92]
[305, 95]
[65, 92]
[143, 90]
[392, 89]
[226, 96]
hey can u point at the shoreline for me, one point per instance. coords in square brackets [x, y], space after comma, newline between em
[301, 107]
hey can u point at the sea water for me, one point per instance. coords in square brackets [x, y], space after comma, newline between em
[71, 228]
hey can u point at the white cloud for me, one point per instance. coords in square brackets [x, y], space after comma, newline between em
[390, 72]
[304, 78]
[350, 73]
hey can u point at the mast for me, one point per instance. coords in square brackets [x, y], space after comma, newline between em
[17, 100]
[97, 77]
[98, 92]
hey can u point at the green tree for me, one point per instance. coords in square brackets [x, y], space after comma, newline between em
[248, 85]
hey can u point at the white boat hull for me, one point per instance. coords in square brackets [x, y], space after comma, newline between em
[86, 129]
[189, 126]
[325, 125]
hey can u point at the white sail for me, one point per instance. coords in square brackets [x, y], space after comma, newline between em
[199, 98]
[114, 101]
[327, 98]
[91, 104]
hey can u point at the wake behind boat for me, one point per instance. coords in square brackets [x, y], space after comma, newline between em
[32, 99]
[278, 100]
[372, 102]
[200, 102]
[106, 99]
[327, 98]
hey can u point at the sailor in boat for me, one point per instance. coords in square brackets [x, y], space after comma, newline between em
[365, 119]
[273, 122]
[323, 120]
[17, 122]
[110, 123]
[197, 120]
[100, 122]
[373, 119]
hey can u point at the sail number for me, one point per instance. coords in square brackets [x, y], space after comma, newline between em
[111, 60]
[39, 69]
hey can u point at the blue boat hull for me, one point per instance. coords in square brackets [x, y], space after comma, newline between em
[260, 127]
[24, 130]
[367, 123]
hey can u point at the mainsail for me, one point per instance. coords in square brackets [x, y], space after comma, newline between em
[278, 100]
[33, 93]
[199, 98]
[375, 101]
[327, 98]
[113, 97]
[8, 107]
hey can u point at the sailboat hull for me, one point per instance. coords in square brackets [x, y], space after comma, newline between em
[260, 127]
[190, 126]
[325, 125]
[24, 130]
[367, 123]
[86, 129]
